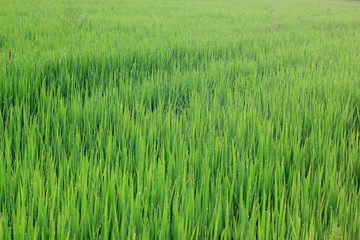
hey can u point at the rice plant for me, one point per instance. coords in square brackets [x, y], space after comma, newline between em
[187, 119]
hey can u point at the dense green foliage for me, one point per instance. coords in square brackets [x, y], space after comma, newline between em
[179, 119]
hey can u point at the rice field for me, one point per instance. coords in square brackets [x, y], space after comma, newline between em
[189, 119]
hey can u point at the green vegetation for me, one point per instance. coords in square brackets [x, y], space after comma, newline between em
[164, 119]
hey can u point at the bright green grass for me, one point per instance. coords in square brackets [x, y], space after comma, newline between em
[179, 119]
